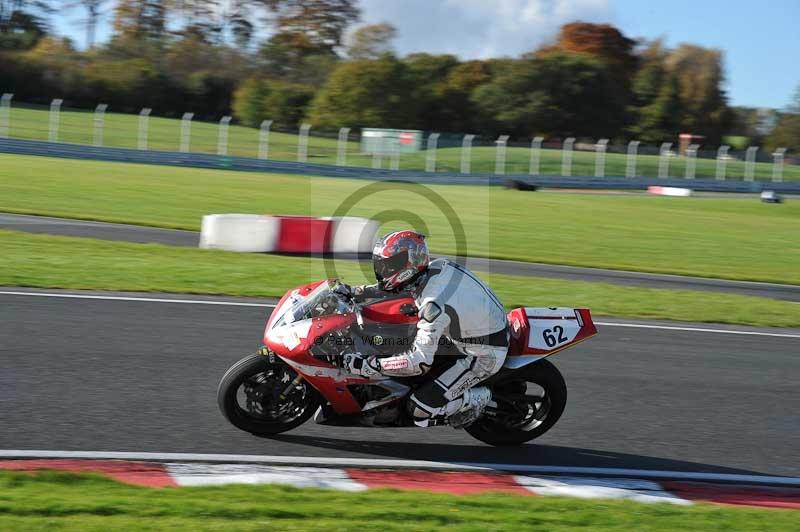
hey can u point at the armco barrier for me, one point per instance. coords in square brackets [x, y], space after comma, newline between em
[202, 160]
[256, 233]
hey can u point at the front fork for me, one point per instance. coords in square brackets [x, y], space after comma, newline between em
[265, 351]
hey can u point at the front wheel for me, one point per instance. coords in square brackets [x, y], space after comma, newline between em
[265, 398]
[529, 402]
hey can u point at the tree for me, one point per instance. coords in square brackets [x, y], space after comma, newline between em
[704, 109]
[459, 110]
[283, 103]
[140, 20]
[752, 123]
[555, 95]
[787, 132]
[280, 58]
[22, 23]
[659, 119]
[428, 78]
[365, 94]
[371, 42]
[202, 19]
[239, 24]
[248, 102]
[656, 107]
[94, 9]
[312, 25]
[604, 42]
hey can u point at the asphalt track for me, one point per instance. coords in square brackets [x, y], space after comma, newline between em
[174, 237]
[134, 375]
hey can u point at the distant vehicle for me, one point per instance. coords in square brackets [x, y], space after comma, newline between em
[298, 372]
[726, 157]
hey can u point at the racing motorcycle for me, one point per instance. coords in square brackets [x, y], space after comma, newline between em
[298, 371]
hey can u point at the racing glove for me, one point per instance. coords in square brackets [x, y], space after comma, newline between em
[364, 366]
[343, 290]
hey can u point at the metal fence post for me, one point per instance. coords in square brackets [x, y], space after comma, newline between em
[750, 163]
[302, 143]
[466, 153]
[99, 120]
[377, 152]
[777, 165]
[663, 159]
[394, 154]
[691, 161]
[722, 160]
[430, 155]
[600, 158]
[500, 155]
[341, 146]
[536, 152]
[144, 117]
[566, 156]
[222, 135]
[5, 114]
[263, 139]
[630, 162]
[186, 131]
[55, 110]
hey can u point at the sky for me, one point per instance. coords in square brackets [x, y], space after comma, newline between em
[760, 41]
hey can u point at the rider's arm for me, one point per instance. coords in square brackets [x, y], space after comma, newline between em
[433, 322]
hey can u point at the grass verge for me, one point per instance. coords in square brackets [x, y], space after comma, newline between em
[734, 238]
[51, 500]
[80, 263]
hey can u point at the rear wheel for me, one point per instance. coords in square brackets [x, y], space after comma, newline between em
[529, 402]
[249, 396]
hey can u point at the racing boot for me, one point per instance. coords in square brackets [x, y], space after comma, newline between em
[473, 404]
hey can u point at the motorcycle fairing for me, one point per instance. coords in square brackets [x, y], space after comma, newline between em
[541, 332]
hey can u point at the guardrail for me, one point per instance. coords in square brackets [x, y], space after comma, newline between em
[248, 164]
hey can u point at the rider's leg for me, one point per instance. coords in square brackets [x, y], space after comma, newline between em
[454, 390]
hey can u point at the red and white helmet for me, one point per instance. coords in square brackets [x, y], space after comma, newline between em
[399, 258]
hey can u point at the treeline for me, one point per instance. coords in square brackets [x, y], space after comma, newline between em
[211, 57]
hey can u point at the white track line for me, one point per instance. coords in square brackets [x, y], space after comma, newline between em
[694, 329]
[143, 299]
[311, 461]
[272, 305]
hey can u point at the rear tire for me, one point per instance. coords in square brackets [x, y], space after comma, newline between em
[260, 381]
[543, 414]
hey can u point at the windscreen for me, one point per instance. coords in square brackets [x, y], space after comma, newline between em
[322, 301]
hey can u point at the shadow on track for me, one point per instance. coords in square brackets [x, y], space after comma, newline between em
[530, 454]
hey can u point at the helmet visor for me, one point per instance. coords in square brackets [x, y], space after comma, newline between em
[388, 266]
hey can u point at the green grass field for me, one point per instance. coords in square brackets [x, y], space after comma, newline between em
[735, 238]
[81, 263]
[60, 501]
[121, 130]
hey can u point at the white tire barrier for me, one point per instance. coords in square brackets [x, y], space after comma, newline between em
[287, 234]
[670, 191]
[239, 232]
[353, 235]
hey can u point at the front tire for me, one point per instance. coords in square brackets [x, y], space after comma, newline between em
[522, 414]
[249, 396]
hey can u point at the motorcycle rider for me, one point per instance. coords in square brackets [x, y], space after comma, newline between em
[453, 305]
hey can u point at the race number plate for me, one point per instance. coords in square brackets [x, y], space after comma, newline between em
[552, 329]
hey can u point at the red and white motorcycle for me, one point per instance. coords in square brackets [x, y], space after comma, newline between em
[299, 370]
